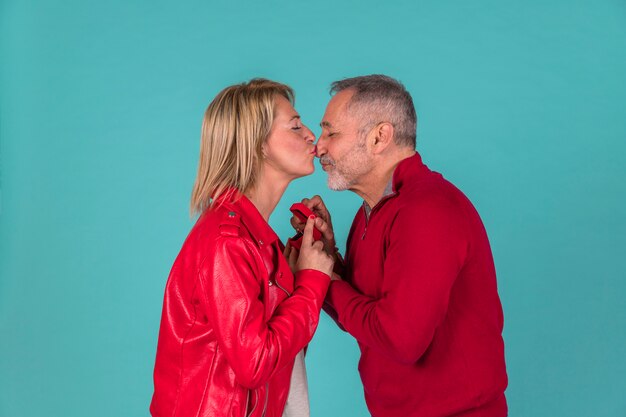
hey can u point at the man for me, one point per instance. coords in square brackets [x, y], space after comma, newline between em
[418, 288]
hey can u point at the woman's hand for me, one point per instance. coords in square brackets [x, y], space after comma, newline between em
[312, 254]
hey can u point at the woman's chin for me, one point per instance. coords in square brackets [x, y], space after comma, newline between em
[305, 171]
[310, 169]
[299, 169]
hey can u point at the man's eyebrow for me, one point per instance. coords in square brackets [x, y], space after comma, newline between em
[325, 124]
[297, 116]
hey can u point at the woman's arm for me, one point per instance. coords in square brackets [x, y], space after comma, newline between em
[256, 349]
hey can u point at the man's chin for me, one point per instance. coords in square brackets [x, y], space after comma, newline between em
[336, 184]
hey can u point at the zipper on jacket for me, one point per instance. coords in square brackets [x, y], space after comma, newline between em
[256, 401]
[267, 389]
[367, 220]
[280, 286]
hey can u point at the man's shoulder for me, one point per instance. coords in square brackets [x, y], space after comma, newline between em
[432, 192]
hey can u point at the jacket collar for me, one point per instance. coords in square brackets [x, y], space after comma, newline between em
[250, 216]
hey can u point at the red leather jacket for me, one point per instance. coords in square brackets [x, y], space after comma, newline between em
[234, 318]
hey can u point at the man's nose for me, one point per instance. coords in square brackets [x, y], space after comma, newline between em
[321, 146]
[322, 149]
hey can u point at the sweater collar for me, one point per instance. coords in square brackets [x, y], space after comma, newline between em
[411, 167]
[408, 167]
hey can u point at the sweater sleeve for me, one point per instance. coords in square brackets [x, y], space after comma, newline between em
[425, 253]
[254, 347]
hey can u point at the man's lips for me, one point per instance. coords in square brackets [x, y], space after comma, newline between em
[325, 165]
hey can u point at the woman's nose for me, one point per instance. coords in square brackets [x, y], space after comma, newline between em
[308, 135]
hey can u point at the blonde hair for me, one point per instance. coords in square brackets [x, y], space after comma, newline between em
[235, 125]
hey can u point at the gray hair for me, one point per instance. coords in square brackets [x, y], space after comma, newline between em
[378, 98]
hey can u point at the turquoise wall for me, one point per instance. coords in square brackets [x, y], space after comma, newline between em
[520, 103]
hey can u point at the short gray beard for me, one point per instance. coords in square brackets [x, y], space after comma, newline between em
[350, 168]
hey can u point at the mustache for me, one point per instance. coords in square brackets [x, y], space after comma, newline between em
[326, 160]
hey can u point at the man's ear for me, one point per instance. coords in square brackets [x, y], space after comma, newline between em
[382, 137]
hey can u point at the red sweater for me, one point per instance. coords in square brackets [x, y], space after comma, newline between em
[420, 297]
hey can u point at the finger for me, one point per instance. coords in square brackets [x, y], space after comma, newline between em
[296, 223]
[318, 245]
[317, 205]
[287, 250]
[322, 226]
[293, 256]
[316, 200]
[307, 238]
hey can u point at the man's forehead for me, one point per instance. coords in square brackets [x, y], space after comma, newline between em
[341, 99]
[336, 108]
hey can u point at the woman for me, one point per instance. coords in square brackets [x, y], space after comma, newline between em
[239, 308]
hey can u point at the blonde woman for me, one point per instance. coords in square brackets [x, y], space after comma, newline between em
[239, 308]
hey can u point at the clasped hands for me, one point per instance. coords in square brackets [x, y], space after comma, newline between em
[324, 248]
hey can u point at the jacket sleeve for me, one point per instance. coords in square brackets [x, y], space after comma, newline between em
[256, 349]
[425, 253]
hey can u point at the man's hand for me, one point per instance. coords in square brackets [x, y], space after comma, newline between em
[335, 277]
[322, 223]
[291, 254]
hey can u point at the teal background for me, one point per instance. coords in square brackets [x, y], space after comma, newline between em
[520, 103]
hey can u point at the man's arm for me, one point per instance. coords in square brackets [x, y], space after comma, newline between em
[425, 253]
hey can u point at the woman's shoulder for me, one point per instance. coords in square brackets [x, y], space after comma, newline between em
[216, 230]
[219, 221]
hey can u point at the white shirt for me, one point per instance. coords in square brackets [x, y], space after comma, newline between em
[298, 399]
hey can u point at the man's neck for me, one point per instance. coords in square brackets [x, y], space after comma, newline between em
[371, 188]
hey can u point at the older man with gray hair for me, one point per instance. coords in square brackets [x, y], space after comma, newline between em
[418, 287]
